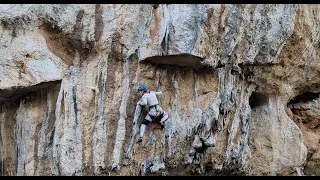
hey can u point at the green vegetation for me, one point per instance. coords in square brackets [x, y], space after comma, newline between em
[311, 170]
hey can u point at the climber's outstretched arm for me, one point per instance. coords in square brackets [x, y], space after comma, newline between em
[136, 114]
[158, 93]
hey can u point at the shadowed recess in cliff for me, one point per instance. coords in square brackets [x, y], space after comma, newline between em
[178, 60]
[305, 97]
[304, 108]
[58, 44]
[17, 92]
[257, 99]
[66, 46]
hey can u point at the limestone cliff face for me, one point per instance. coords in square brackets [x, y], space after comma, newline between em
[240, 83]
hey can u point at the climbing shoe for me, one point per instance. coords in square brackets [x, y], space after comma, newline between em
[162, 125]
[162, 122]
[139, 140]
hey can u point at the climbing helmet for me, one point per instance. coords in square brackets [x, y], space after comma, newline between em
[143, 88]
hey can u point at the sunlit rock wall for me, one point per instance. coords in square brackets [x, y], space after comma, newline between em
[240, 84]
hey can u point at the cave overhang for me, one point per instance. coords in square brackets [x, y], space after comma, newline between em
[183, 60]
[16, 92]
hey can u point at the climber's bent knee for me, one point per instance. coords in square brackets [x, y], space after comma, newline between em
[145, 122]
[164, 117]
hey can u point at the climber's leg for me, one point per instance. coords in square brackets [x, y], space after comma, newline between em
[145, 122]
[142, 129]
[164, 117]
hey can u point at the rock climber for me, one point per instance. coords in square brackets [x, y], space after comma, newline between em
[155, 112]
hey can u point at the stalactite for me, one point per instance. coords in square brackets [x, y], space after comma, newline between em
[100, 127]
[43, 144]
[56, 167]
[2, 162]
[135, 127]
[120, 134]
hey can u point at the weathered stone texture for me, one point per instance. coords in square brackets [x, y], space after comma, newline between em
[240, 83]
